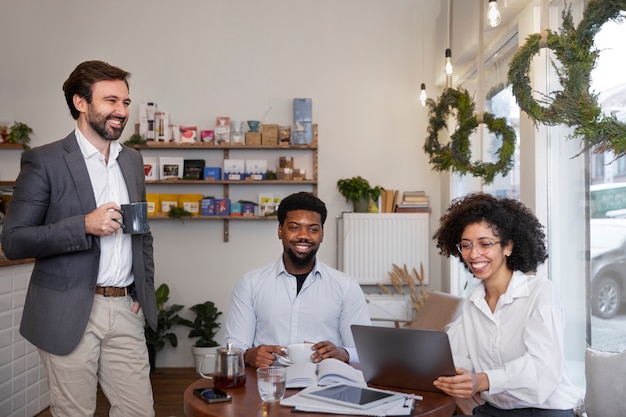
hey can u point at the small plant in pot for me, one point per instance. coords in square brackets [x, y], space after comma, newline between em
[359, 191]
[204, 327]
[167, 316]
[19, 133]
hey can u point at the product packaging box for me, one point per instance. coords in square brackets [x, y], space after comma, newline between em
[266, 204]
[284, 135]
[153, 204]
[256, 169]
[234, 169]
[174, 132]
[207, 206]
[222, 130]
[151, 168]
[161, 128]
[146, 120]
[302, 110]
[193, 169]
[235, 209]
[247, 209]
[222, 207]
[188, 134]
[168, 201]
[190, 202]
[212, 173]
[269, 134]
[207, 136]
[253, 138]
[171, 167]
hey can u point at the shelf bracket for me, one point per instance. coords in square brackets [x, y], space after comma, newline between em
[226, 230]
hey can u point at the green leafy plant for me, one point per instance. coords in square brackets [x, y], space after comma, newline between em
[167, 316]
[205, 324]
[135, 140]
[178, 213]
[19, 133]
[358, 188]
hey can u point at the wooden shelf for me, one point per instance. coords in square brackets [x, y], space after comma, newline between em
[226, 150]
[204, 146]
[231, 182]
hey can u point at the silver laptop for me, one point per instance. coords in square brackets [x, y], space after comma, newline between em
[403, 357]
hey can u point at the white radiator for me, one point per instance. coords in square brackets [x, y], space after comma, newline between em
[369, 244]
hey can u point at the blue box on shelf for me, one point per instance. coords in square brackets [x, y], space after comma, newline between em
[222, 207]
[212, 173]
[235, 209]
[247, 209]
[207, 207]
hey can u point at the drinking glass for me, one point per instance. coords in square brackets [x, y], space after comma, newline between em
[271, 382]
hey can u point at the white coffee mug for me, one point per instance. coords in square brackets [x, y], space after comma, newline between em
[300, 352]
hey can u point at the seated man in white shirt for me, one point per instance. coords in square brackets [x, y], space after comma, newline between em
[297, 298]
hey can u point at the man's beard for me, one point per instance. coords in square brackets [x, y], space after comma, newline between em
[298, 260]
[99, 124]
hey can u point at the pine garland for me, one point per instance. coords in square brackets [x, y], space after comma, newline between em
[575, 105]
[456, 155]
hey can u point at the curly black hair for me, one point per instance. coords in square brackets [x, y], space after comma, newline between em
[509, 219]
[301, 201]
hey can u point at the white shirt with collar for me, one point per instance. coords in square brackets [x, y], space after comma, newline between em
[519, 345]
[108, 185]
[265, 309]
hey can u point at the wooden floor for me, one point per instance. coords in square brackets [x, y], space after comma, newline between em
[168, 386]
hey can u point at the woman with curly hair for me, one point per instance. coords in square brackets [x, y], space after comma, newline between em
[508, 342]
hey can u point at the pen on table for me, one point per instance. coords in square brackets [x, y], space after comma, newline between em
[414, 397]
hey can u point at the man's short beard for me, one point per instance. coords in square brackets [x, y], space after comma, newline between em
[306, 260]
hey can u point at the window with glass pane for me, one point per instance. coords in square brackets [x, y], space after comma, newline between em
[608, 201]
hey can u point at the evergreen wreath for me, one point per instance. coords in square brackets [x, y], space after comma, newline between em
[575, 106]
[456, 154]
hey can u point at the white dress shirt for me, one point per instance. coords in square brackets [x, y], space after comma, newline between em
[519, 346]
[265, 310]
[108, 184]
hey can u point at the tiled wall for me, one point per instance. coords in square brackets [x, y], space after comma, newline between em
[23, 384]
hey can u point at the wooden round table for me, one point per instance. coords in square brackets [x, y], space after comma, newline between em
[247, 403]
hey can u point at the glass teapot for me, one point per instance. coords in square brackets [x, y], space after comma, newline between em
[230, 368]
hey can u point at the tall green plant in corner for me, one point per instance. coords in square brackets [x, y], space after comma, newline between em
[204, 327]
[167, 316]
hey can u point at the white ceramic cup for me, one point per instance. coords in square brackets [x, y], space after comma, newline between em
[271, 382]
[300, 352]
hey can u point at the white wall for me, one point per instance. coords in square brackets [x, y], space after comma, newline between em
[361, 61]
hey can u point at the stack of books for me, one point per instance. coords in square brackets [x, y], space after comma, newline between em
[413, 202]
[388, 201]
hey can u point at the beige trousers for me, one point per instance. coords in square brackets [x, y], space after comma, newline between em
[112, 352]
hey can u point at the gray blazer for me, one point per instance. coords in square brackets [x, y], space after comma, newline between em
[46, 221]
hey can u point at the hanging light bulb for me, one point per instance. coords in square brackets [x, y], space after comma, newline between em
[423, 95]
[493, 14]
[448, 62]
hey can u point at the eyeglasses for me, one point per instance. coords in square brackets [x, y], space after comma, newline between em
[482, 247]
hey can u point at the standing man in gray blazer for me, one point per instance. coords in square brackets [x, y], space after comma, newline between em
[92, 286]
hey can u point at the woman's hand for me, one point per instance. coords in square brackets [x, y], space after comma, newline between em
[464, 384]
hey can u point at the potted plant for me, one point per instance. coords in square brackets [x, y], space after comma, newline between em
[204, 327]
[359, 191]
[167, 316]
[19, 133]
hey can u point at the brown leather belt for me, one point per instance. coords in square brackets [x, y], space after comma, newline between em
[112, 291]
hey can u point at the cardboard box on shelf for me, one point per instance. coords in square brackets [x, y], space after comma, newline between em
[151, 168]
[234, 169]
[269, 134]
[168, 201]
[247, 209]
[235, 209]
[153, 204]
[253, 138]
[190, 202]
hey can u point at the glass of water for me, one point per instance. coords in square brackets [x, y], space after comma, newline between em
[271, 382]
